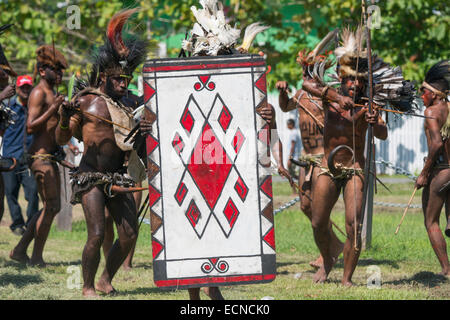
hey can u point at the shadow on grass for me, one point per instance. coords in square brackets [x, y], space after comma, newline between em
[425, 278]
[146, 290]
[369, 262]
[290, 263]
[144, 266]
[65, 263]
[19, 280]
[22, 266]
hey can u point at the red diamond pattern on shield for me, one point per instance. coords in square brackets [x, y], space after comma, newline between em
[153, 194]
[261, 83]
[269, 238]
[231, 212]
[209, 166]
[156, 248]
[187, 121]
[238, 140]
[178, 143]
[241, 189]
[193, 213]
[225, 118]
[181, 193]
[149, 92]
[266, 186]
[152, 143]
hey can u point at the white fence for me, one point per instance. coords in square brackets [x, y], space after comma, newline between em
[405, 147]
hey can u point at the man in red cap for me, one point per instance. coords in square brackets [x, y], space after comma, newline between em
[15, 145]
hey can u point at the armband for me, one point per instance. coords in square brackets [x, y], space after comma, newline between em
[324, 92]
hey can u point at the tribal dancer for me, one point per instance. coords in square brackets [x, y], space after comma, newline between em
[311, 123]
[44, 152]
[101, 171]
[344, 140]
[435, 176]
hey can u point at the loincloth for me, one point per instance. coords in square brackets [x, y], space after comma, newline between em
[346, 173]
[83, 182]
[313, 160]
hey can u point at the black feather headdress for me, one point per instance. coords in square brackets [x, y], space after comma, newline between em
[437, 78]
[118, 56]
[4, 64]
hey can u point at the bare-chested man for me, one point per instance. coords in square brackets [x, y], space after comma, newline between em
[42, 120]
[435, 176]
[344, 126]
[311, 123]
[102, 165]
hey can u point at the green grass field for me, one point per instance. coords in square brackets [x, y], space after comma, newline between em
[407, 262]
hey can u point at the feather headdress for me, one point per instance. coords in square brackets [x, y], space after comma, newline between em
[308, 58]
[4, 64]
[316, 62]
[352, 59]
[437, 78]
[390, 88]
[212, 35]
[47, 55]
[118, 56]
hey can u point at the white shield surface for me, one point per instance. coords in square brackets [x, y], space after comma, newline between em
[210, 192]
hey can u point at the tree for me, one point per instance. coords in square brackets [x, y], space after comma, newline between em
[414, 34]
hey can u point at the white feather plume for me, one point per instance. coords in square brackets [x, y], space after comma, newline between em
[250, 34]
[212, 34]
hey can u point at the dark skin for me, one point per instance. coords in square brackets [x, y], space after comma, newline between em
[109, 232]
[267, 112]
[42, 120]
[101, 154]
[432, 179]
[339, 117]
[6, 92]
[312, 140]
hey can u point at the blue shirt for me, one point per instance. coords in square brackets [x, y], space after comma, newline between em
[13, 138]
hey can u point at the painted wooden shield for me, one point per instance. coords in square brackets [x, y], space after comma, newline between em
[209, 184]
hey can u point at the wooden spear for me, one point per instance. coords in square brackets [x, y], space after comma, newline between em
[406, 210]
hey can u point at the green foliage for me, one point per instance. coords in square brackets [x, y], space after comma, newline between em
[413, 34]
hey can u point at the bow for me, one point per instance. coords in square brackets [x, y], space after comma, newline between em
[369, 155]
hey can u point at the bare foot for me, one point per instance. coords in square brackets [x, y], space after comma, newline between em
[347, 283]
[89, 292]
[320, 276]
[127, 267]
[105, 287]
[318, 263]
[19, 257]
[445, 273]
[38, 263]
